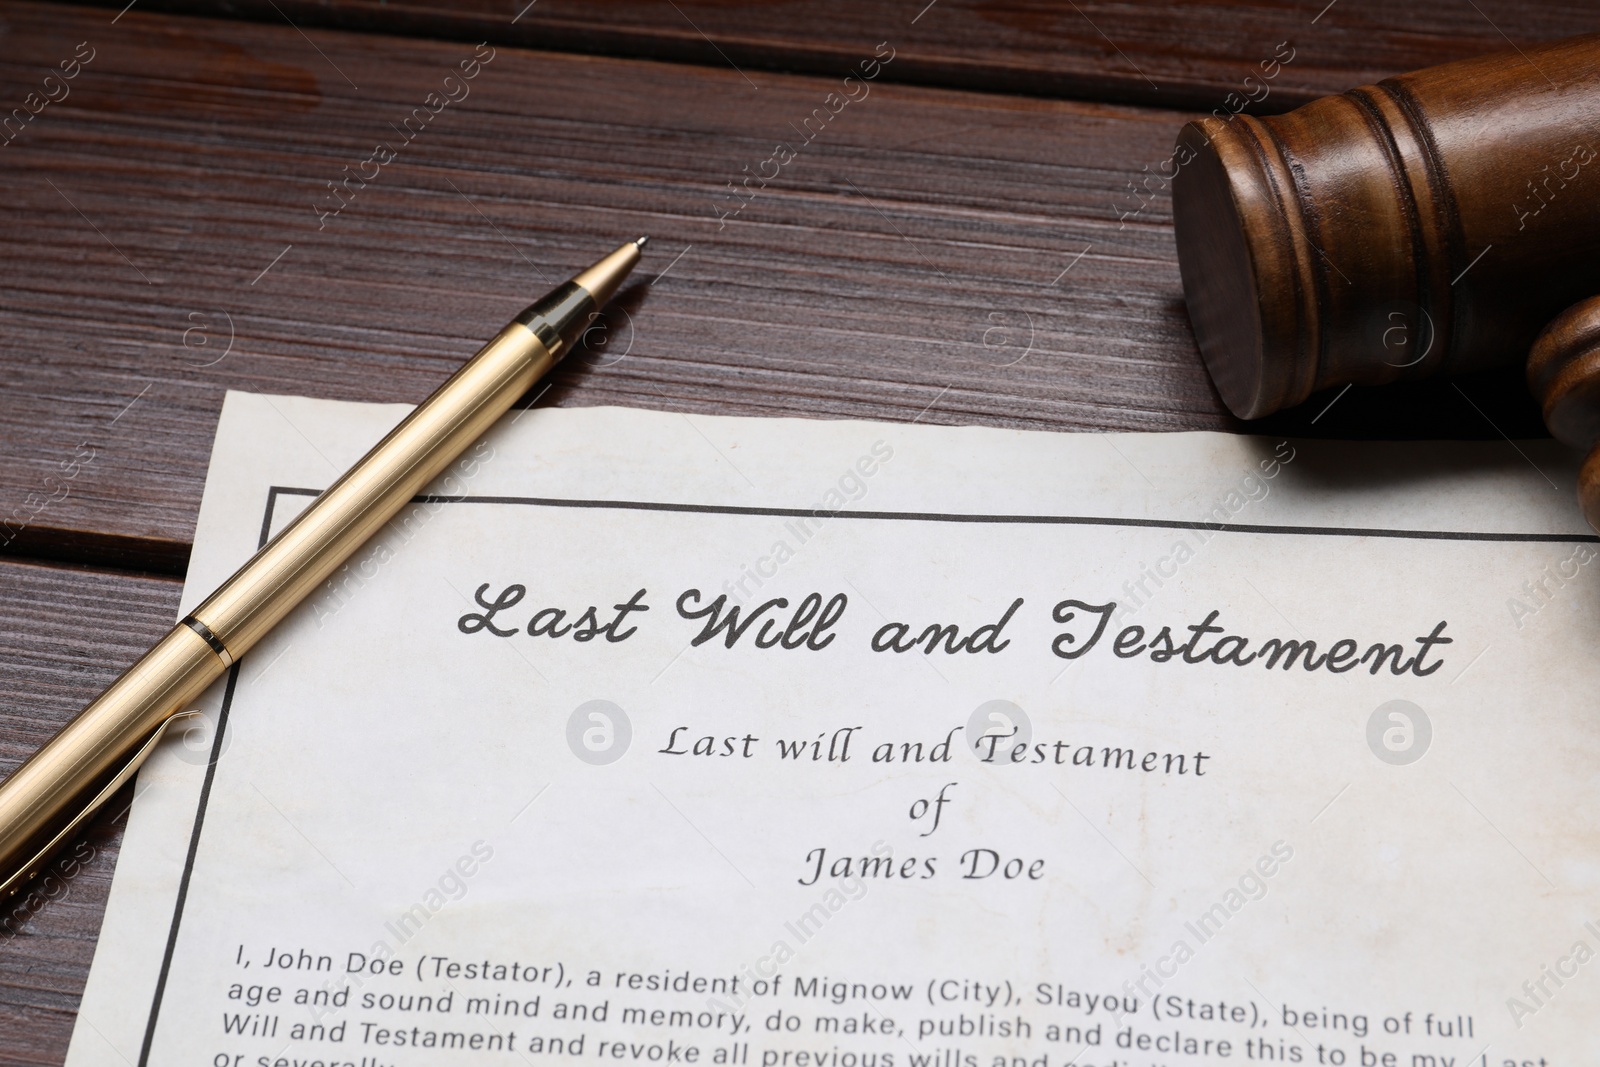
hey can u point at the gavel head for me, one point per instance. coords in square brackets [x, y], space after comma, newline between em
[1434, 222]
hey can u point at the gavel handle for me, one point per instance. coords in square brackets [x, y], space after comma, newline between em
[1564, 374]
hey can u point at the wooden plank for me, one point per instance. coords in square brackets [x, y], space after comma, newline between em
[1179, 54]
[930, 254]
[65, 634]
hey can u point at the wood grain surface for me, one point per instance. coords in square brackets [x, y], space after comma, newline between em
[65, 634]
[1188, 53]
[932, 254]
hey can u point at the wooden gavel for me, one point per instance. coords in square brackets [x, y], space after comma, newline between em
[1435, 222]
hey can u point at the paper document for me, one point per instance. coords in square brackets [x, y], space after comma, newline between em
[653, 739]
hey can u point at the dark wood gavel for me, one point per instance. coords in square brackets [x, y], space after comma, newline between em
[1434, 222]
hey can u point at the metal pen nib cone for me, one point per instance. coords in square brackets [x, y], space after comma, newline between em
[560, 318]
[44, 801]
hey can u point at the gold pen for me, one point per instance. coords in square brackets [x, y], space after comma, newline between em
[50, 795]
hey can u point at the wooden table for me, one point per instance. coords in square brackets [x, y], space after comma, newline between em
[971, 235]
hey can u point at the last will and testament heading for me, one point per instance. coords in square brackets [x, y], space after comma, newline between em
[814, 622]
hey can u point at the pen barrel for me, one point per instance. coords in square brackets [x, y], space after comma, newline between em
[355, 507]
[49, 793]
[38, 799]
[88, 760]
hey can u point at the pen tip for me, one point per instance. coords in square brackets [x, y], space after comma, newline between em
[640, 242]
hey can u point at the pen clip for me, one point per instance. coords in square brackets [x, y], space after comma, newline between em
[31, 868]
